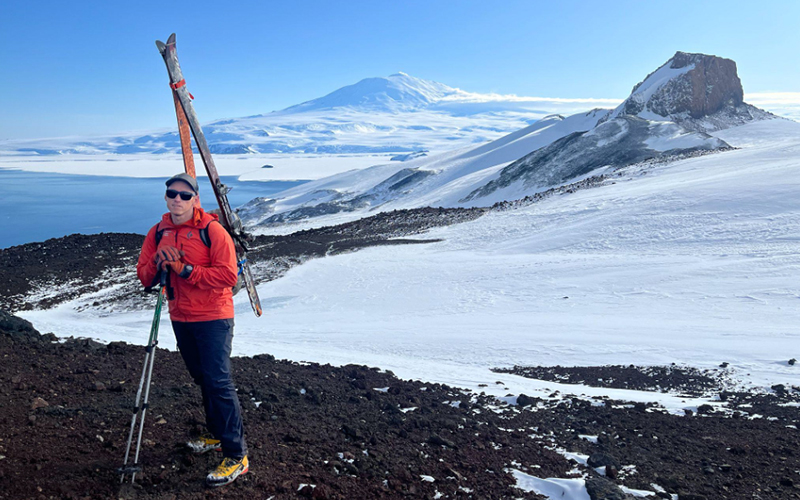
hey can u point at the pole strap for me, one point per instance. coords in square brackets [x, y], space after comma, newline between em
[143, 407]
[129, 469]
[177, 85]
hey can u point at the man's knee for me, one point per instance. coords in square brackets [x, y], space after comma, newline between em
[218, 384]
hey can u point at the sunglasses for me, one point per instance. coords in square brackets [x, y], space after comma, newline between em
[185, 195]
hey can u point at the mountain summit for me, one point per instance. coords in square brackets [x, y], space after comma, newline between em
[398, 92]
[394, 114]
[699, 91]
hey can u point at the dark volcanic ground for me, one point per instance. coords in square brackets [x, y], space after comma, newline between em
[357, 432]
[353, 432]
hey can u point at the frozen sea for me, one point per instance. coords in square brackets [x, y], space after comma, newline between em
[36, 206]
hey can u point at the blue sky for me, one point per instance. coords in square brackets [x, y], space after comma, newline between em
[91, 67]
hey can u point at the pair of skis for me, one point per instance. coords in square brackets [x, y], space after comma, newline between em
[188, 122]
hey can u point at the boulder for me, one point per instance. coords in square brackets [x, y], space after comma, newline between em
[600, 488]
[20, 329]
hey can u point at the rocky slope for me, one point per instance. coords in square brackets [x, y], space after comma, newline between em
[613, 144]
[318, 431]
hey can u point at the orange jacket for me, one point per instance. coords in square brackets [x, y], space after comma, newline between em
[206, 294]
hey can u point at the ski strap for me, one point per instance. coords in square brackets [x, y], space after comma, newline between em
[177, 85]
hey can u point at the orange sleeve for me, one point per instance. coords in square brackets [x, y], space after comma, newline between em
[146, 266]
[223, 271]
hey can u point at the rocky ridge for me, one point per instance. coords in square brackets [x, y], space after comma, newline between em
[699, 91]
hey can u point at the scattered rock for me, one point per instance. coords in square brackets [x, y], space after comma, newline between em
[705, 409]
[306, 491]
[524, 400]
[39, 403]
[440, 441]
[690, 496]
[600, 488]
[351, 432]
[602, 459]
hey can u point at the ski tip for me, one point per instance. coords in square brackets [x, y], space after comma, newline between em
[171, 39]
[161, 46]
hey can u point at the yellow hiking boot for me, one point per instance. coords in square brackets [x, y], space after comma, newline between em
[227, 471]
[203, 444]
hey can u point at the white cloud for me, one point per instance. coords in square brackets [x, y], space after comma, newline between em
[756, 98]
[786, 104]
[462, 96]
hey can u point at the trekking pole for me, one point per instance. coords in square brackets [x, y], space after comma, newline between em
[147, 373]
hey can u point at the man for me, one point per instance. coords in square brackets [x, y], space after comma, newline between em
[198, 253]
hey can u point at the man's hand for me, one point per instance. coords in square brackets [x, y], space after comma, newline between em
[179, 268]
[175, 265]
[168, 254]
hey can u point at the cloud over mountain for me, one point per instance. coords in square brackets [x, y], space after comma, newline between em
[395, 114]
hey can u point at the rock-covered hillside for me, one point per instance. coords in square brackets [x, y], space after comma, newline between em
[616, 143]
[325, 432]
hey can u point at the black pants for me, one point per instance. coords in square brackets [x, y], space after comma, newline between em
[206, 349]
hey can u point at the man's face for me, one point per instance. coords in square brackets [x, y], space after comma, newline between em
[177, 206]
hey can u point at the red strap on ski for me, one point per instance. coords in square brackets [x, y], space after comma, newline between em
[176, 86]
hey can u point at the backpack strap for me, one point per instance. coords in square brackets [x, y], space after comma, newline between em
[204, 237]
[158, 234]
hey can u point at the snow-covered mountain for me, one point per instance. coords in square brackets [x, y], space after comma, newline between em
[394, 114]
[398, 92]
[667, 115]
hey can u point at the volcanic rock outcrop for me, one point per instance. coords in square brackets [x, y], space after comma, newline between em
[701, 92]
